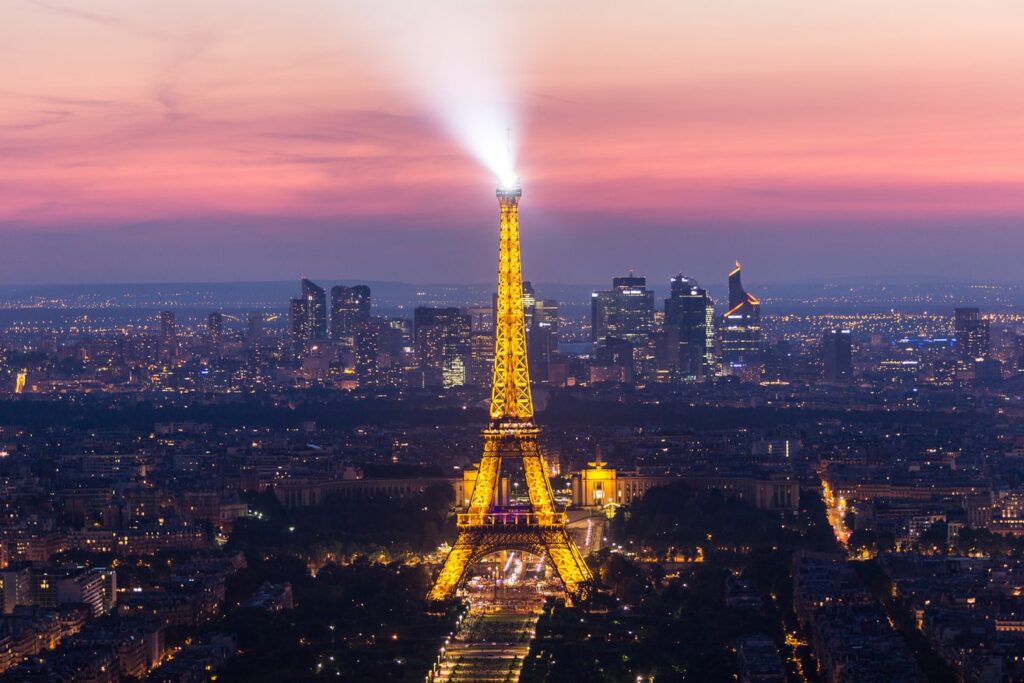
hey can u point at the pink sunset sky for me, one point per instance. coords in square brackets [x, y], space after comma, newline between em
[231, 140]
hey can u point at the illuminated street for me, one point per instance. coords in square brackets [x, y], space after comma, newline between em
[494, 638]
[835, 507]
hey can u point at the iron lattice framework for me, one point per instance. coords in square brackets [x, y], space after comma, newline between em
[485, 528]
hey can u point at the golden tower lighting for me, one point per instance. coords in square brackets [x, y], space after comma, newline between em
[485, 528]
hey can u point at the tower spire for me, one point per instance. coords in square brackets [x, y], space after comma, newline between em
[510, 389]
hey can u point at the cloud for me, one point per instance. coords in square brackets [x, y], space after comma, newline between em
[106, 20]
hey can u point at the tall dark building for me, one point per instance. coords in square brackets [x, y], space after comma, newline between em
[529, 302]
[215, 334]
[168, 334]
[613, 362]
[307, 318]
[626, 311]
[971, 334]
[443, 341]
[837, 356]
[254, 332]
[665, 354]
[316, 297]
[691, 310]
[168, 327]
[350, 306]
[542, 337]
[366, 337]
[298, 327]
[741, 324]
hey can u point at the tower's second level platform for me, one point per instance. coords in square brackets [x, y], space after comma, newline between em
[510, 518]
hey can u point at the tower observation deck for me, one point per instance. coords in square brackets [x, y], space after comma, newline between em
[485, 528]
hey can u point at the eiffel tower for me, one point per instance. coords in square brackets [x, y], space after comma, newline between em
[485, 527]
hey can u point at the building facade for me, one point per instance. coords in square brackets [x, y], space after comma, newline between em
[691, 310]
[741, 325]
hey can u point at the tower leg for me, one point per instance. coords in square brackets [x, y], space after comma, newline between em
[485, 489]
[569, 563]
[454, 567]
[537, 482]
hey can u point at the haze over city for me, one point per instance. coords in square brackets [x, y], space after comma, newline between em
[198, 141]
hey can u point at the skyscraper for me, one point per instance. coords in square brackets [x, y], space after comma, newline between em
[529, 301]
[298, 327]
[254, 342]
[254, 333]
[690, 309]
[443, 342]
[350, 306]
[307, 318]
[168, 327]
[542, 339]
[971, 334]
[316, 297]
[168, 335]
[481, 354]
[741, 324]
[626, 311]
[215, 334]
[366, 337]
[665, 354]
[837, 356]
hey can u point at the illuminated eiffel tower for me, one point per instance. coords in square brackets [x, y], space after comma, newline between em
[485, 527]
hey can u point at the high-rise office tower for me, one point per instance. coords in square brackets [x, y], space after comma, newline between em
[254, 342]
[254, 330]
[481, 318]
[481, 358]
[837, 356]
[690, 309]
[613, 362]
[545, 313]
[542, 339]
[298, 327]
[215, 334]
[366, 337]
[168, 334]
[665, 354]
[626, 311]
[741, 324]
[316, 297]
[307, 318]
[168, 327]
[529, 302]
[481, 352]
[971, 334]
[350, 306]
[443, 341]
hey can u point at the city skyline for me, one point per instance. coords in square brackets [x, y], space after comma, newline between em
[297, 144]
[285, 395]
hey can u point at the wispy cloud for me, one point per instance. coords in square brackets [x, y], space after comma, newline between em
[107, 20]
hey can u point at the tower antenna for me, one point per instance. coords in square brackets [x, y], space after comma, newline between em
[508, 147]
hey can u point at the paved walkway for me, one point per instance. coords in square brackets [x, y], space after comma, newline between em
[492, 641]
